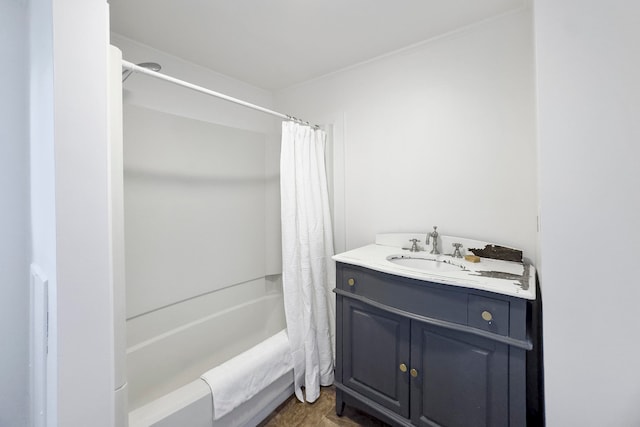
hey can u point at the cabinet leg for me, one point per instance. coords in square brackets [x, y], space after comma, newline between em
[339, 403]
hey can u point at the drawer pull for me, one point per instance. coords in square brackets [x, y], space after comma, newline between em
[351, 282]
[486, 315]
[403, 367]
[413, 373]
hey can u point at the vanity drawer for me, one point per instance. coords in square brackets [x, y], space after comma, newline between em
[489, 314]
[415, 296]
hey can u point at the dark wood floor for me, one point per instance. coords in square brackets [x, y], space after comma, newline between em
[322, 413]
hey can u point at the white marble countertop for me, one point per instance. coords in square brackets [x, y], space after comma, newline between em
[517, 279]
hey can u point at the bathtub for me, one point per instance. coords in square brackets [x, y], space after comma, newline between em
[192, 406]
[170, 349]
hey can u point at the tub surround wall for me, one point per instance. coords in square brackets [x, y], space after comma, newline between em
[441, 133]
[194, 208]
[195, 245]
[148, 92]
[201, 204]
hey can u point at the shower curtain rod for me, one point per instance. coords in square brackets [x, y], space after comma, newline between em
[136, 68]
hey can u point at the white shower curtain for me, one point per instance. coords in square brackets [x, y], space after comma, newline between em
[308, 272]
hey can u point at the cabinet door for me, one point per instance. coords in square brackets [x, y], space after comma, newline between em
[376, 344]
[461, 379]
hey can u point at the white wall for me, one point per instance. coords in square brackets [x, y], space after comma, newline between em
[588, 108]
[42, 187]
[14, 215]
[84, 315]
[70, 204]
[201, 204]
[441, 133]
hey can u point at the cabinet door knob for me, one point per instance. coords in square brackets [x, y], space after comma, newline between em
[351, 282]
[486, 315]
[403, 367]
[413, 373]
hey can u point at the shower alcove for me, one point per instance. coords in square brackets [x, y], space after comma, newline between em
[201, 226]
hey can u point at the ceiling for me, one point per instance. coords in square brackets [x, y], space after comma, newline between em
[274, 44]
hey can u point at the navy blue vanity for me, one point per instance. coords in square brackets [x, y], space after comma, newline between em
[424, 347]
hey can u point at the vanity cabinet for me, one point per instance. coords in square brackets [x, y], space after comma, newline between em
[425, 354]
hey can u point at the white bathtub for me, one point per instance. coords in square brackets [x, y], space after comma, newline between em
[164, 363]
[192, 406]
[267, 365]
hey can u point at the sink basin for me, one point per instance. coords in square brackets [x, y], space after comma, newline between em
[433, 265]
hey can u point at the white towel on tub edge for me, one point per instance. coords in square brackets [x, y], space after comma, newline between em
[242, 377]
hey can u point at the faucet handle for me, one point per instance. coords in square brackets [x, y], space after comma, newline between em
[456, 251]
[414, 245]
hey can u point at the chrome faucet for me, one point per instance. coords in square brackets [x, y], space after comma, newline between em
[456, 252]
[434, 243]
[414, 245]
